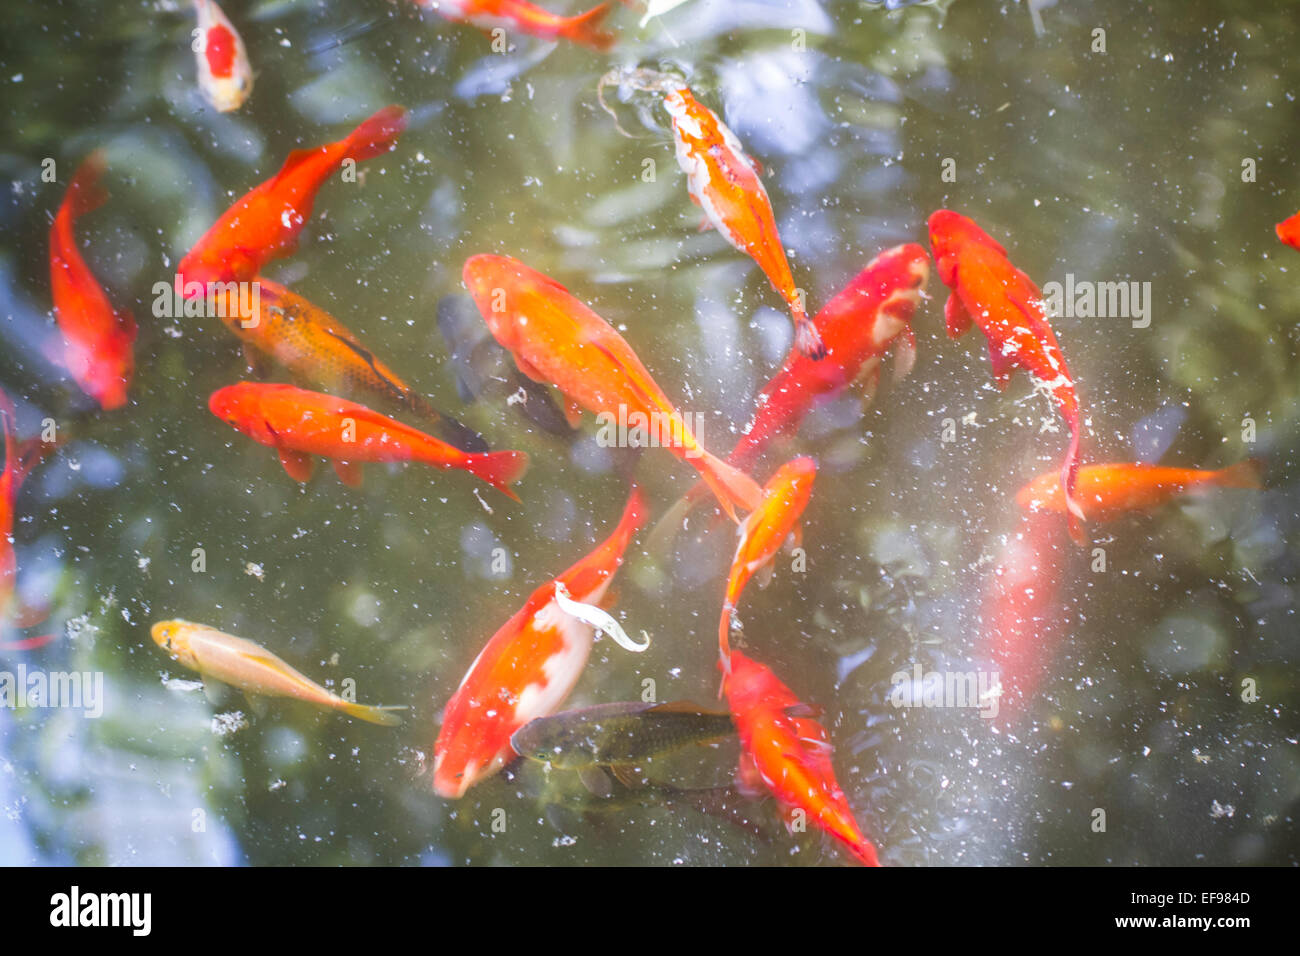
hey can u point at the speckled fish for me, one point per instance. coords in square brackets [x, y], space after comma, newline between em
[253, 669]
[1108, 491]
[583, 29]
[529, 666]
[620, 733]
[988, 291]
[299, 423]
[265, 223]
[318, 350]
[225, 76]
[556, 339]
[98, 340]
[763, 532]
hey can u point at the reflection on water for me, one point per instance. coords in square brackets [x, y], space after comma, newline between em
[1122, 166]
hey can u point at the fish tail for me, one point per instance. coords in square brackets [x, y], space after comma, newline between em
[500, 469]
[449, 429]
[385, 716]
[1244, 474]
[585, 28]
[1069, 479]
[85, 194]
[807, 339]
[376, 135]
[731, 486]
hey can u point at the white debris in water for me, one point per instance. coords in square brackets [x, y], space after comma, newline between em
[564, 841]
[255, 571]
[1219, 810]
[276, 784]
[223, 725]
[181, 685]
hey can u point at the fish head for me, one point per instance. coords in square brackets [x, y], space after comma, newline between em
[238, 406]
[948, 230]
[538, 740]
[493, 281]
[173, 637]
[750, 687]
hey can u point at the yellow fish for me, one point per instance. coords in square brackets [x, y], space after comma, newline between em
[255, 670]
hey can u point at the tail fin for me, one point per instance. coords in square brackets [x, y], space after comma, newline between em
[385, 716]
[377, 134]
[1069, 479]
[85, 194]
[731, 486]
[451, 430]
[1244, 474]
[585, 29]
[500, 469]
[807, 339]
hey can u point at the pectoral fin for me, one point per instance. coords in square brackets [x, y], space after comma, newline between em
[1003, 365]
[349, 473]
[597, 781]
[956, 317]
[256, 704]
[572, 412]
[626, 774]
[298, 465]
[215, 691]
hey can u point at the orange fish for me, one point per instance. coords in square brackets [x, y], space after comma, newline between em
[992, 293]
[527, 18]
[528, 667]
[97, 339]
[225, 75]
[299, 424]
[727, 185]
[20, 459]
[763, 532]
[1288, 230]
[318, 350]
[790, 753]
[556, 339]
[1107, 492]
[265, 223]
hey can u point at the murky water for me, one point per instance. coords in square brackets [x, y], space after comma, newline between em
[1170, 703]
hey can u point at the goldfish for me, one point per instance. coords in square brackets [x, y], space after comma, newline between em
[528, 18]
[299, 424]
[789, 752]
[240, 663]
[554, 338]
[529, 666]
[619, 733]
[763, 532]
[98, 340]
[319, 350]
[265, 223]
[1106, 492]
[724, 182]
[992, 293]
[225, 76]
[1288, 230]
[20, 459]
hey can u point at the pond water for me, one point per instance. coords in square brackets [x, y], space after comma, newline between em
[1171, 685]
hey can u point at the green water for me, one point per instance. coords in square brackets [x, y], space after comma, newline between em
[1125, 165]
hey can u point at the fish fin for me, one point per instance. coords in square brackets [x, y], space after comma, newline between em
[596, 780]
[1002, 365]
[748, 780]
[803, 710]
[955, 316]
[1244, 474]
[376, 135]
[904, 354]
[215, 691]
[349, 473]
[585, 29]
[30, 453]
[451, 430]
[705, 225]
[384, 716]
[807, 339]
[500, 469]
[256, 703]
[686, 707]
[298, 465]
[764, 571]
[626, 774]
[796, 537]
[731, 486]
[85, 194]
[258, 364]
[572, 412]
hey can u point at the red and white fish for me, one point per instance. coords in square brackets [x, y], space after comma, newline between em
[530, 665]
[788, 752]
[763, 532]
[725, 183]
[583, 29]
[225, 76]
[299, 424]
[988, 291]
[265, 223]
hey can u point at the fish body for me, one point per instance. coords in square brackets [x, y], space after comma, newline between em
[20, 458]
[619, 733]
[98, 340]
[225, 75]
[583, 29]
[1288, 230]
[556, 339]
[859, 325]
[300, 424]
[320, 351]
[1109, 491]
[528, 667]
[763, 532]
[253, 669]
[789, 754]
[987, 290]
[725, 183]
[265, 223]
